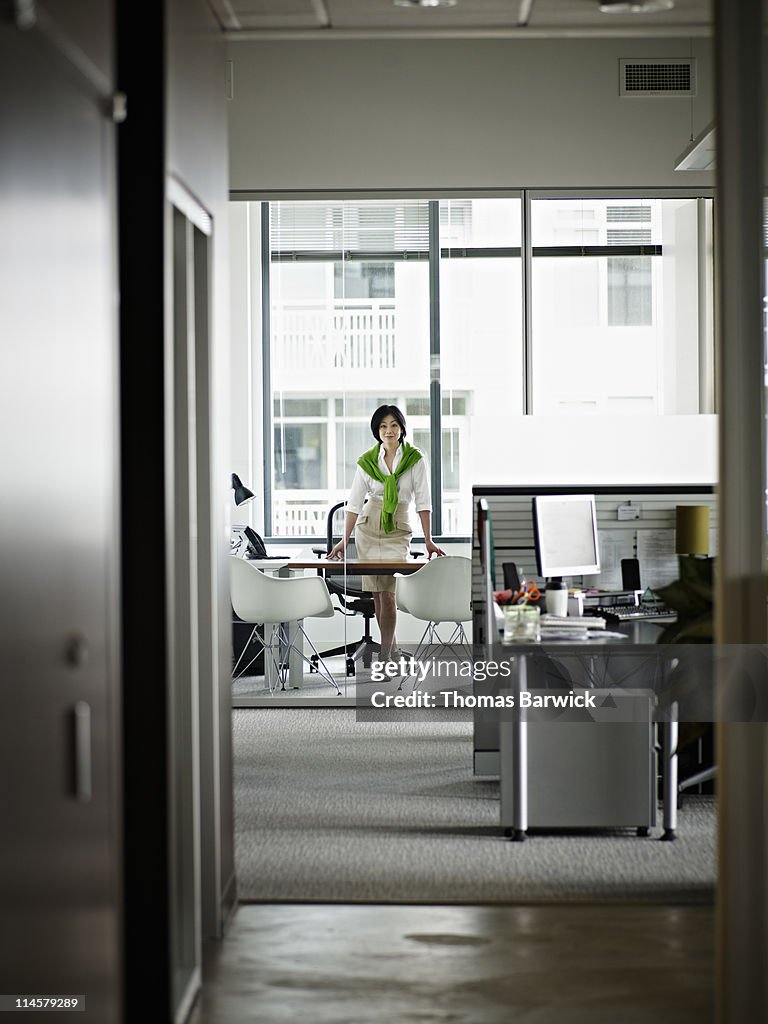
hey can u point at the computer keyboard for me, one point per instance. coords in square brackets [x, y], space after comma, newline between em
[633, 612]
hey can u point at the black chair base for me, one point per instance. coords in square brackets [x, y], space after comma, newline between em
[364, 650]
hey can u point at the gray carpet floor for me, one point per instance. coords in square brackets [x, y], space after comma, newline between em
[329, 809]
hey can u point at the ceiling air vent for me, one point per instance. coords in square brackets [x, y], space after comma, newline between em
[657, 77]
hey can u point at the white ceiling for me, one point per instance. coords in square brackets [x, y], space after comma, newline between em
[358, 18]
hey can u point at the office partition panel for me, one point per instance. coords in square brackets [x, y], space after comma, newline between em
[60, 701]
[643, 529]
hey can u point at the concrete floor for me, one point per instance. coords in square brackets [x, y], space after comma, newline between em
[371, 964]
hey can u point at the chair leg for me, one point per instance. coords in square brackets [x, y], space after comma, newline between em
[247, 644]
[427, 638]
[705, 775]
[424, 642]
[365, 651]
[268, 649]
[277, 648]
[457, 639]
[352, 652]
[307, 660]
[278, 641]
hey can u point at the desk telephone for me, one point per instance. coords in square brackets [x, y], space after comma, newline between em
[255, 545]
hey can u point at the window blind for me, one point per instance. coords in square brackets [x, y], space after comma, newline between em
[629, 236]
[360, 227]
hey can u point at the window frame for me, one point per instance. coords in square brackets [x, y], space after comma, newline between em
[525, 251]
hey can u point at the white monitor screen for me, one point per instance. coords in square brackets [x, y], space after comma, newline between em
[565, 527]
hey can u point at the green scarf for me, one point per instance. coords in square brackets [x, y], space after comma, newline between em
[369, 461]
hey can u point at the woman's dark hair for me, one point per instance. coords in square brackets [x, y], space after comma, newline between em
[381, 412]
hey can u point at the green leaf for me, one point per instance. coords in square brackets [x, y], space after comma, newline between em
[690, 630]
[692, 594]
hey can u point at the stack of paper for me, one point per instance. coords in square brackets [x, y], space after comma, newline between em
[577, 623]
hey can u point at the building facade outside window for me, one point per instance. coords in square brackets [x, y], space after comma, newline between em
[617, 334]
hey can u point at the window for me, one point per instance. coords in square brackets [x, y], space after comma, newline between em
[425, 304]
[351, 310]
[481, 342]
[349, 331]
[618, 334]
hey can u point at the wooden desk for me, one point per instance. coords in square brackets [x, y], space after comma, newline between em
[358, 567]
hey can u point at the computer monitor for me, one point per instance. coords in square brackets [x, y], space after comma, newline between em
[565, 531]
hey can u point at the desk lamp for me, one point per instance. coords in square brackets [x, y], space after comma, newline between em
[692, 530]
[242, 494]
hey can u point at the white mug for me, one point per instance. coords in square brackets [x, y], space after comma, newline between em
[557, 600]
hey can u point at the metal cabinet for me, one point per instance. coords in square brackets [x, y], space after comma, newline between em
[579, 768]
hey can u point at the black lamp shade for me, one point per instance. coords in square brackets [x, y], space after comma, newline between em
[242, 494]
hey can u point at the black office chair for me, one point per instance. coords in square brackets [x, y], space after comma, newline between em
[351, 598]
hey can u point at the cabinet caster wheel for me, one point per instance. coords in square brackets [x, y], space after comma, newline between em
[643, 831]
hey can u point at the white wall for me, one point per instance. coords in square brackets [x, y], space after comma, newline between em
[457, 113]
[246, 406]
[598, 449]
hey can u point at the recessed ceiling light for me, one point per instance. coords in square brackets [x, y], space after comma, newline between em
[424, 3]
[635, 6]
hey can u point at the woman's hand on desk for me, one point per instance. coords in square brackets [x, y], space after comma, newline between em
[337, 551]
[433, 549]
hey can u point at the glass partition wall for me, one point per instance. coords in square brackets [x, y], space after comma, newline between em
[470, 313]
[457, 308]
[349, 330]
[415, 303]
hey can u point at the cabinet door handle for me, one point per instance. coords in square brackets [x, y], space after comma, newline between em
[83, 772]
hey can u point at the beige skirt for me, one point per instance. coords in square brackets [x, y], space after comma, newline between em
[373, 544]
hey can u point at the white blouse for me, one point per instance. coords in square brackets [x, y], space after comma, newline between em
[413, 484]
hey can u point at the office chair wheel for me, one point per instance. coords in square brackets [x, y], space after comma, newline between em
[350, 666]
[643, 831]
[313, 663]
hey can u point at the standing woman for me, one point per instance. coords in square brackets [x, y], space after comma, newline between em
[391, 475]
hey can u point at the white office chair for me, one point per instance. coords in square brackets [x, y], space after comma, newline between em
[438, 592]
[271, 601]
